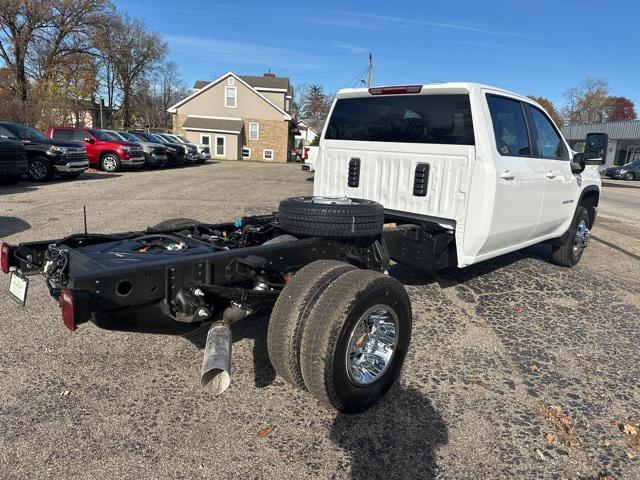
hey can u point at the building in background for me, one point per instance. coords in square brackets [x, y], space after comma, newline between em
[624, 139]
[306, 133]
[240, 117]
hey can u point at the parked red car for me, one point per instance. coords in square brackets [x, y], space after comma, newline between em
[103, 150]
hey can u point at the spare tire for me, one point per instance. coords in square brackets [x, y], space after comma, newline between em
[176, 223]
[330, 217]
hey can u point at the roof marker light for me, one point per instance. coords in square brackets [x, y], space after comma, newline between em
[395, 90]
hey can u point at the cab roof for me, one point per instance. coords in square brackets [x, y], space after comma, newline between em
[426, 88]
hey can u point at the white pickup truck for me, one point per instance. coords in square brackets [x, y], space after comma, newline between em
[484, 163]
[429, 176]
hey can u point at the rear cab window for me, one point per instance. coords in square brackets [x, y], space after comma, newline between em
[431, 118]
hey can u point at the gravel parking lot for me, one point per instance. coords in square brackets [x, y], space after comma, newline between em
[518, 368]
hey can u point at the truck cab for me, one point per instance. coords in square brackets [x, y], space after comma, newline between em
[487, 165]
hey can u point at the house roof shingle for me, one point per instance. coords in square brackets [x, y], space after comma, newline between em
[215, 124]
[255, 82]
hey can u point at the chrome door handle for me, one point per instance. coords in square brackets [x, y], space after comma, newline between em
[551, 174]
[508, 175]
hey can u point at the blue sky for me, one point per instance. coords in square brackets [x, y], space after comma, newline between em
[537, 47]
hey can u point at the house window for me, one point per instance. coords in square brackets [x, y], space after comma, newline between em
[231, 81]
[205, 139]
[220, 146]
[246, 152]
[267, 154]
[230, 94]
[254, 131]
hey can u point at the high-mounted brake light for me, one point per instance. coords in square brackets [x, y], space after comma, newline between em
[4, 258]
[397, 90]
[67, 307]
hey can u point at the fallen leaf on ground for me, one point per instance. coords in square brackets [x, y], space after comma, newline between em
[480, 383]
[604, 443]
[263, 432]
[561, 423]
[484, 324]
[630, 429]
[540, 454]
[550, 438]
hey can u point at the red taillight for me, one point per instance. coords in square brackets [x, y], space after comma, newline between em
[397, 90]
[67, 307]
[306, 153]
[4, 258]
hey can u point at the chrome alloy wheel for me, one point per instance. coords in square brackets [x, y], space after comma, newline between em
[331, 201]
[582, 238]
[371, 345]
[38, 170]
[109, 163]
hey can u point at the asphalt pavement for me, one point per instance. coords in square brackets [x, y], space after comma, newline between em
[518, 368]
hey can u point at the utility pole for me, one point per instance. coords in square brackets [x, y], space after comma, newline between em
[101, 101]
[370, 70]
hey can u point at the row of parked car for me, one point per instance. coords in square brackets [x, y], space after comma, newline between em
[69, 151]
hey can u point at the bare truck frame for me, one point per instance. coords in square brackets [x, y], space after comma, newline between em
[181, 274]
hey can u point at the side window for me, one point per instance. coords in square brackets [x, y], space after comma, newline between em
[61, 134]
[509, 126]
[548, 141]
[78, 135]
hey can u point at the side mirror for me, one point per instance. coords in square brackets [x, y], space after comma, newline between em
[89, 140]
[578, 163]
[595, 149]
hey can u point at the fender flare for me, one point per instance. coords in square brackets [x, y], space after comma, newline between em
[587, 189]
[565, 236]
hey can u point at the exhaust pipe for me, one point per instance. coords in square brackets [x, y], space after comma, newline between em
[216, 365]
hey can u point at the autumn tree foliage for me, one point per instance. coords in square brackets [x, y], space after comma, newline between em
[591, 103]
[620, 108]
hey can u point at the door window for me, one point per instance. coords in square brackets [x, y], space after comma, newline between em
[220, 147]
[548, 142]
[61, 134]
[509, 126]
[78, 135]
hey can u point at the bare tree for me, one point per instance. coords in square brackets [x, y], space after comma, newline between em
[129, 55]
[36, 34]
[587, 103]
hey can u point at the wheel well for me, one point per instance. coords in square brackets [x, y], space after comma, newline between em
[590, 201]
[104, 154]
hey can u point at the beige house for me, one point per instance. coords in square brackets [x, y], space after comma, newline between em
[240, 117]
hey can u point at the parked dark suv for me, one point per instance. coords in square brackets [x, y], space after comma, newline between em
[48, 157]
[13, 159]
[176, 153]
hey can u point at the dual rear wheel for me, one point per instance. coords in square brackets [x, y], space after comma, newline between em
[341, 333]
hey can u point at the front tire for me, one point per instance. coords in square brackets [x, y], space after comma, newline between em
[39, 170]
[570, 252]
[355, 340]
[629, 176]
[110, 163]
[291, 312]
